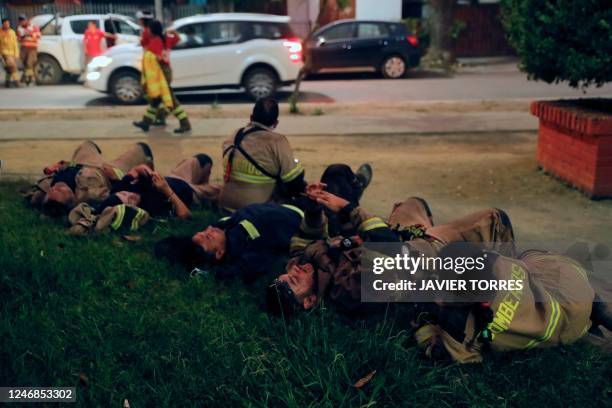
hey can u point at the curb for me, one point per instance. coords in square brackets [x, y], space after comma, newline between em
[327, 135]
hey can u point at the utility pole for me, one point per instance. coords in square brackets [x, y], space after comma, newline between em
[159, 10]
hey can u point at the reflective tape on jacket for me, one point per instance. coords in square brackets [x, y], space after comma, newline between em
[116, 224]
[372, 223]
[118, 172]
[553, 322]
[250, 229]
[136, 221]
[248, 178]
[296, 171]
[294, 208]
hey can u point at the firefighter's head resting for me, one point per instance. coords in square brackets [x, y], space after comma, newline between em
[212, 241]
[294, 290]
[59, 199]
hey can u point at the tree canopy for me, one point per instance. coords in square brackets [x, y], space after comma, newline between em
[562, 40]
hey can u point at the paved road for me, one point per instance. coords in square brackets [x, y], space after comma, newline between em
[498, 81]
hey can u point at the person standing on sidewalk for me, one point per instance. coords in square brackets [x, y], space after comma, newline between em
[29, 36]
[154, 81]
[9, 50]
[172, 38]
[92, 42]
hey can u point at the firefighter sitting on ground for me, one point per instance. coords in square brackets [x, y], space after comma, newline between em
[259, 162]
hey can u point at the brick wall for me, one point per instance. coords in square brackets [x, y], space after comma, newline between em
[575, 147]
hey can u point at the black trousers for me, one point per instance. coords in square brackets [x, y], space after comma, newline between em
[341, 181]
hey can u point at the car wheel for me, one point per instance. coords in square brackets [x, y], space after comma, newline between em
[260, 83]
[393, 67]
[48, 71]
[125, 87]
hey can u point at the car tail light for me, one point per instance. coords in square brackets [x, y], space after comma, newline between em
[294, 45]
[413, 40]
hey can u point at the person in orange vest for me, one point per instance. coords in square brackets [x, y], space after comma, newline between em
[9, 50]
[29, 36]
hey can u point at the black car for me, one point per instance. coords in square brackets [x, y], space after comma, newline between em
[358, 44]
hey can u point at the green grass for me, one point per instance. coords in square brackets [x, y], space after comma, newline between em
[103, 315]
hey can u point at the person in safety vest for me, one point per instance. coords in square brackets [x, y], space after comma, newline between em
[29, 37]
[259, 162]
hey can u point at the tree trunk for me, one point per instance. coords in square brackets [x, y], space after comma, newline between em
[293, 99]
[440, 52]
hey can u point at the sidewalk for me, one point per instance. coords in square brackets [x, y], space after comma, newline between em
[320, 134]
[358, 120]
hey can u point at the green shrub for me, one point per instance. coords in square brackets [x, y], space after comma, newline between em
[562, 40]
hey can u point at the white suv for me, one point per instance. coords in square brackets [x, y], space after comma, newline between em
[61, 47]
[255, 52]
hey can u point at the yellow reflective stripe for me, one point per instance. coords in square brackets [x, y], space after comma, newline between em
[250, 229]
[150, 115]
[586, 328]
[120, 214]
[300, 241]
[555, 314]
[372, 223]
[296, 171]
[247, 178]
[136, 221]
[294, 208]
[118, 172]
[224, 219]
[167, 98]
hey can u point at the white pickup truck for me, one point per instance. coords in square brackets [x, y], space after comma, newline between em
[61, 46]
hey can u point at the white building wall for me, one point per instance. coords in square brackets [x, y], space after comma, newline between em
[390, 10]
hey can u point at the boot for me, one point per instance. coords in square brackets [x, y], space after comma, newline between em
[160, 122]
[144, 124]
[184, 128]
[364, 177]
[160, 119]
